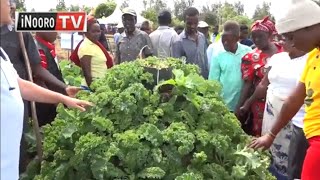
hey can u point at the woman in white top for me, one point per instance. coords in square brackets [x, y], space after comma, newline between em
[284, 73]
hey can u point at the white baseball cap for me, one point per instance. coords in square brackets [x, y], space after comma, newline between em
[120, 25]
[203, 24]
[298, 15]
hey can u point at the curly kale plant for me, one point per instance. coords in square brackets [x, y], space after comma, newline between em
[134, 132]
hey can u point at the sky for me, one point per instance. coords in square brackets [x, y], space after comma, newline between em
[249, 5]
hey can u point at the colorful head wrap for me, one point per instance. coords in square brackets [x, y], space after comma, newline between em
[264, 25]
[91, 20]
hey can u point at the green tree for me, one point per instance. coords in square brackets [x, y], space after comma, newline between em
[152, 9]
[211, 18]
[156, 5]
[20, 5]
[218, 13]
[61, 6]
[177, 22]
[180, 6]
[243, 20]
[124, 4]
[262, 11]
[208, 15]
[227, 12]
[239, 7]
[105, 9]
[33, 10]
[86, 9]
[150, 14]
[74, 8]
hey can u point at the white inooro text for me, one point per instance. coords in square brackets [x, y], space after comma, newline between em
[28, 21]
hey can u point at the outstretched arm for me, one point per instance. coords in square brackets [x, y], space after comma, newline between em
[290, 107]
[32, 92]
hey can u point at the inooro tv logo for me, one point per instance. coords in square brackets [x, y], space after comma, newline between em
[51, 21]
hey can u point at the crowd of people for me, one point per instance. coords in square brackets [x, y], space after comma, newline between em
[271, 82]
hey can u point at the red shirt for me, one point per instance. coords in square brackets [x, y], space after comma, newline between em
[253, 69]
[253, 65]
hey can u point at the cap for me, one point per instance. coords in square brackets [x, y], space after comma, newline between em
[203, 24]
[120, 25]
[129, 11]
[298, 15]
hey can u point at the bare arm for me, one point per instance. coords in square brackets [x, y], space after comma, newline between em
[32, 92]
[86, 68]
[47, 77]
[290, 107]
[260, 91]
[245, 92]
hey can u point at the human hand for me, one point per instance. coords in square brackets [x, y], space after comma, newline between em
[76, 103]
[72, 91]
[238, 114]
[244, 109]
[263, 142]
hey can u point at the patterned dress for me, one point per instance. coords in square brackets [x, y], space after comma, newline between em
[253, 69]
[283, 77]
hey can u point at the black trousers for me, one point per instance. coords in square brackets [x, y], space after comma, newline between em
[297, 152]
[46, 113]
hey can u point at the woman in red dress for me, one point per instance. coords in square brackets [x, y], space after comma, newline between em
[253, 70]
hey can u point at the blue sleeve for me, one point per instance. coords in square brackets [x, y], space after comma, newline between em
[177, 50]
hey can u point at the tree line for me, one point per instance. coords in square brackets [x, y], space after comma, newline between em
[214, 14]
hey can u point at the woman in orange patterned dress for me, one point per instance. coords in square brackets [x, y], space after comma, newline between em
[253, 70]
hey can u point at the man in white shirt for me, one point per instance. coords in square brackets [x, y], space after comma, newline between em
[203, 27]
[117, 35]
[163, 38]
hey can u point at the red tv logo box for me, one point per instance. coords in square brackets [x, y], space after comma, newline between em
[51, 21]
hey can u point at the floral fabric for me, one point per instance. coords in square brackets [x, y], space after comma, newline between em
[253, 69]
[280, 147]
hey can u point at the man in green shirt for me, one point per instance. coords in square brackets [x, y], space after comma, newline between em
[225, 65]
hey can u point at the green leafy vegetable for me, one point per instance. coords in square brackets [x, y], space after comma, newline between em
[183, 131]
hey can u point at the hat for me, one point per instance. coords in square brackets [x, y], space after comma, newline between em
[120, 25]
[203, 24]
[298, 15]
[129, 11]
